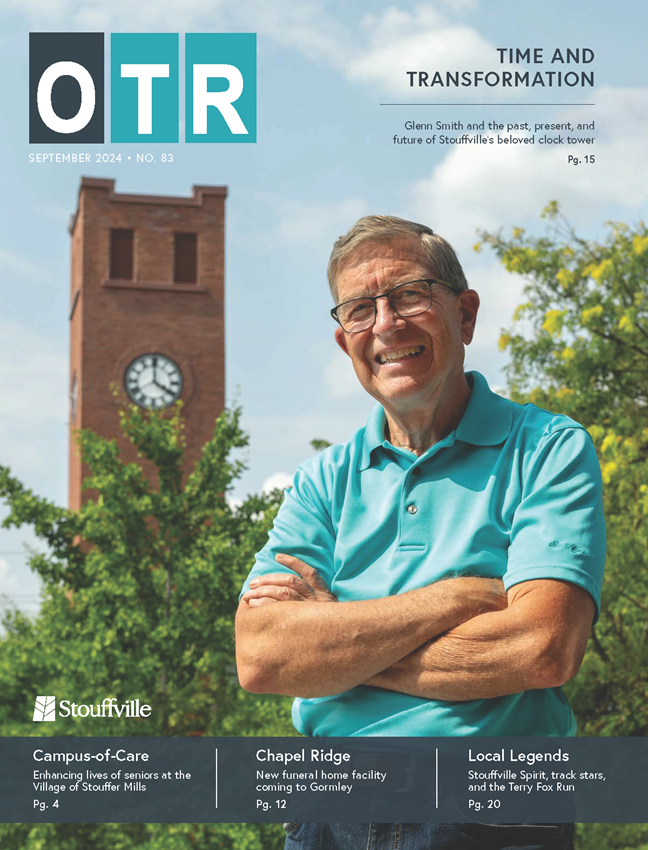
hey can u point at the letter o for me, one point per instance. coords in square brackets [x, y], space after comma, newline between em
[44, 97]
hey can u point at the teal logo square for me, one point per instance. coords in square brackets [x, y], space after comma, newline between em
[220, 87]
[144, 87]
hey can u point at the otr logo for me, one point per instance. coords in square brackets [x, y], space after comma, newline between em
[66, 87]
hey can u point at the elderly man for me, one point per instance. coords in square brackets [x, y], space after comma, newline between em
[461, 536]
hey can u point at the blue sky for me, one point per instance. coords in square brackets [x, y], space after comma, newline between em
[324, 157]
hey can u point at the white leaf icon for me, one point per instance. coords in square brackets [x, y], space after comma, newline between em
[45, 708]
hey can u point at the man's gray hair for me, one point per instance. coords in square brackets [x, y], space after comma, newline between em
[387, 228]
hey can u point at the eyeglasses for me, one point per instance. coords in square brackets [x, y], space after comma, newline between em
[406, 299]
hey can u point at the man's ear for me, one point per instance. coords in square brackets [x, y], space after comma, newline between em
[468, 306]
[340, 338]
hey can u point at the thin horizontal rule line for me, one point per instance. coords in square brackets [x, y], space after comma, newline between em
[486, 104]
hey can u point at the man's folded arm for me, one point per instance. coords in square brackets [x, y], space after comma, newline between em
[306, 646]
[538, 641]
[554, 572]
[315, 648]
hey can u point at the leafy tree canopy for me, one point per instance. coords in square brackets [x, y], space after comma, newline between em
[579, 345]
[140, 589]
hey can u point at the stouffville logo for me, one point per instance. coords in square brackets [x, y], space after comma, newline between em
[45, 708]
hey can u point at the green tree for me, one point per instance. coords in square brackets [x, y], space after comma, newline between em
[140, 587]
[579, 345]
[612, 836]
[319, 444]
[142, 836]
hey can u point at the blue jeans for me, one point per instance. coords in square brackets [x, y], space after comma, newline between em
[428, 836]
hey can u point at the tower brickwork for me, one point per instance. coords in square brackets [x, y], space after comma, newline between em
[146, 312]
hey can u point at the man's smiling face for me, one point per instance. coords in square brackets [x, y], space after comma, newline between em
[404, 363]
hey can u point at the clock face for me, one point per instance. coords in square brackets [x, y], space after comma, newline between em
[153, 380]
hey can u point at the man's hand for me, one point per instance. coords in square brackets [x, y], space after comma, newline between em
[481, 595]
[306, 586]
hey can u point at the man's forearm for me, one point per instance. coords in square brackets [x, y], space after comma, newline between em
[479, 659]
[523, 647]
[320, 649]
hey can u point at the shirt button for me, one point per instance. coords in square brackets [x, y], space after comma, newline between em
[412, 509]
[416, 471]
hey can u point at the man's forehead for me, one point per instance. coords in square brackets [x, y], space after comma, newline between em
[399, 258]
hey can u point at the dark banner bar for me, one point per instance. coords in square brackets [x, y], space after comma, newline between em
[346, 780]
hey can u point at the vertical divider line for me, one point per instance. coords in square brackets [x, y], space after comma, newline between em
[216, 778]
[437, 777]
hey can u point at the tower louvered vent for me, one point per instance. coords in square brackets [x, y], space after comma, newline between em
[121, 254]
[185, 258]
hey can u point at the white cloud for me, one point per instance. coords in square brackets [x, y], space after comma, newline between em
[376, 49]
[14, 263]
[33, 376]
[309, 224]
[423, 40]
[9, 584]
[284, 439]
[459, 7]
[19, 585]
[288, 435]
[339, 378]
[52, 212]
[500, 293]
[78, 14]
[379, 43]
[277, 481]
[306, 26]
[487, 185]
[395, 24]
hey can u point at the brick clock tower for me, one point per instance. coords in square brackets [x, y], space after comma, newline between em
[146, 313]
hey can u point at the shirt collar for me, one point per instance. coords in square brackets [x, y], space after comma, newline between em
[487, 421]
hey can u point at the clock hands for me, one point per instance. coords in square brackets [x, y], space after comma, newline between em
[159, 386]
[153, 381]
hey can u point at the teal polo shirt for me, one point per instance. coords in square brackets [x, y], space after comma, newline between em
[514, 493]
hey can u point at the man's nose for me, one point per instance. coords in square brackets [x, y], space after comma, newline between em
[387, 319]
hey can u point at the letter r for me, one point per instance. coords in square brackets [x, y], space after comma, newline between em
[220, 72]
[222, 100]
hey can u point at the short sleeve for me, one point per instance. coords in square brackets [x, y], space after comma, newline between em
[302, 528]
[558, 529]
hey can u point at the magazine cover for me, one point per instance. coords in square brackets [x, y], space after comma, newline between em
[324, 451]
